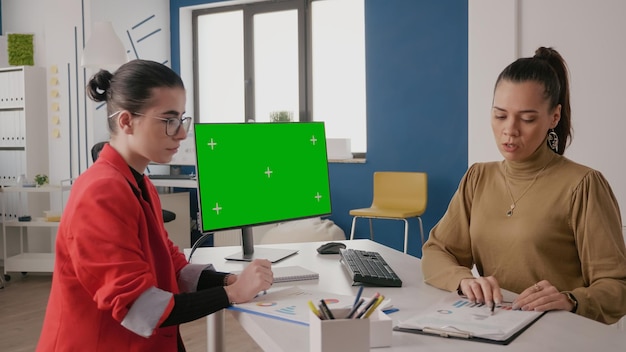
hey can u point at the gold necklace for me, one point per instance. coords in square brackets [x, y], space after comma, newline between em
[514, 201]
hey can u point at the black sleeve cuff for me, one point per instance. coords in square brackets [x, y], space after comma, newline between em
[191, 306]
[210, 278]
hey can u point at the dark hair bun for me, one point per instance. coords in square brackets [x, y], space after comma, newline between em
[99, 85]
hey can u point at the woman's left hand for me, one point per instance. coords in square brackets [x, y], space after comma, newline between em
[542, 297]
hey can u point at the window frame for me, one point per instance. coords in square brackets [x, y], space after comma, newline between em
[305, 57]
[304, 52]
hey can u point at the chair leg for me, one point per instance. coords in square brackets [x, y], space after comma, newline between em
[352, 229]
[371, 230]
[406, 234]
[419, 218]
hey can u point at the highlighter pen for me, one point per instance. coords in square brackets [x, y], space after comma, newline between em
[314, 309]
[373, 307]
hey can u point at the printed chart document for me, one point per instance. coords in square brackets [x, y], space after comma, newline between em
[291, 304]
[455, 316]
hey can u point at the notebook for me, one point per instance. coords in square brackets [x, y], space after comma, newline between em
[456, 317]
[292, 273]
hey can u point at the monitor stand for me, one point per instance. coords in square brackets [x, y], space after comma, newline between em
[249, 253]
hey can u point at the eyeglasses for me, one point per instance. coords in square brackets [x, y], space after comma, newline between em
[172, 125]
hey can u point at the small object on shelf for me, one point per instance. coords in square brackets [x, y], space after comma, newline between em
[21, 179]
[52, 216]
[24, 218]
[41, 179]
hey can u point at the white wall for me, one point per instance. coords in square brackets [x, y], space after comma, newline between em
[61, 27]
[590, 36]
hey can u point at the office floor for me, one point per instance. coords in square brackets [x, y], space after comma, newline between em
[23, 304]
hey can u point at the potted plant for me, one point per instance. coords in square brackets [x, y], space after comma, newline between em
[281, 116]
[41, 179]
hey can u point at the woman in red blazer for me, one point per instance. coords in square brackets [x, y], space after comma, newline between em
[119, 283]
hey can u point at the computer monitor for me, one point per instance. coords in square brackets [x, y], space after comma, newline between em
[252, 174]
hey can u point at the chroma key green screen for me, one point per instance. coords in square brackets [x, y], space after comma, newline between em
[260, 173]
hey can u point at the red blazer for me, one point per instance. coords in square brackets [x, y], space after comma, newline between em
[111, 246]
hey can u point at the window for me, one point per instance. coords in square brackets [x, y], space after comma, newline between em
[267, 61]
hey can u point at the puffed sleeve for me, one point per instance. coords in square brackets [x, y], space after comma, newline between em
[447, 256]
[596, 222]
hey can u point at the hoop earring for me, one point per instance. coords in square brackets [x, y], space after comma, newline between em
[553, 140]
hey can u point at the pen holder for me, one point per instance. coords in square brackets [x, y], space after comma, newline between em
[349, 335]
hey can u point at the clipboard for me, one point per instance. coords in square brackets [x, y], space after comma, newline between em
[454, 333]
[457, 317]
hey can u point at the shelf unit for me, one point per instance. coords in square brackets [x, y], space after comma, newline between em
[23, 147]
[22, 259]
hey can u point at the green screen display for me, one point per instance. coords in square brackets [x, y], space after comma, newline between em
[259, 173]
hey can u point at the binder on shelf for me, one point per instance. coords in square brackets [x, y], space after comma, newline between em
[456, 317]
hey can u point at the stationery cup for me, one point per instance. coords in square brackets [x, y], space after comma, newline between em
[345, 335]
[381, 328]
[349, 334]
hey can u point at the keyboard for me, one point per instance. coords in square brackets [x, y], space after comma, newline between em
[370, 268]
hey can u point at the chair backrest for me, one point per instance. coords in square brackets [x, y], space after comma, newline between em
[400, 190]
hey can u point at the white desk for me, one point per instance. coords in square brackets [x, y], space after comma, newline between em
[555, 331]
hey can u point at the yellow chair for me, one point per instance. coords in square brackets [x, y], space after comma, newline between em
[397, 196]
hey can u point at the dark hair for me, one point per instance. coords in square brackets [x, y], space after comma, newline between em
[548, 68]
[130, 88]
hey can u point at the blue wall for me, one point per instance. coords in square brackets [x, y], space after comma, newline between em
[416, 62]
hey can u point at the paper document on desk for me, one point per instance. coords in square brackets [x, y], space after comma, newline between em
[455, 316]
[291, 304]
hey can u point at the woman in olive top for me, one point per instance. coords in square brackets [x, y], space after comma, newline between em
[536, 223]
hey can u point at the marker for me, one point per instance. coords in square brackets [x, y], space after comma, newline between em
[367, 305]
[373, 307]
[325, 310]
[354, 308]
[358, 296]
[314, 309]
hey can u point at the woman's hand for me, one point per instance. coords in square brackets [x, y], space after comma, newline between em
[256, 277]
[482, 290]
[542, 297]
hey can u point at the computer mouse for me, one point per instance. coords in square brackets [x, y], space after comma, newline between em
[330, 248]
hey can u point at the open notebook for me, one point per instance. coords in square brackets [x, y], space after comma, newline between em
[455, 316]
